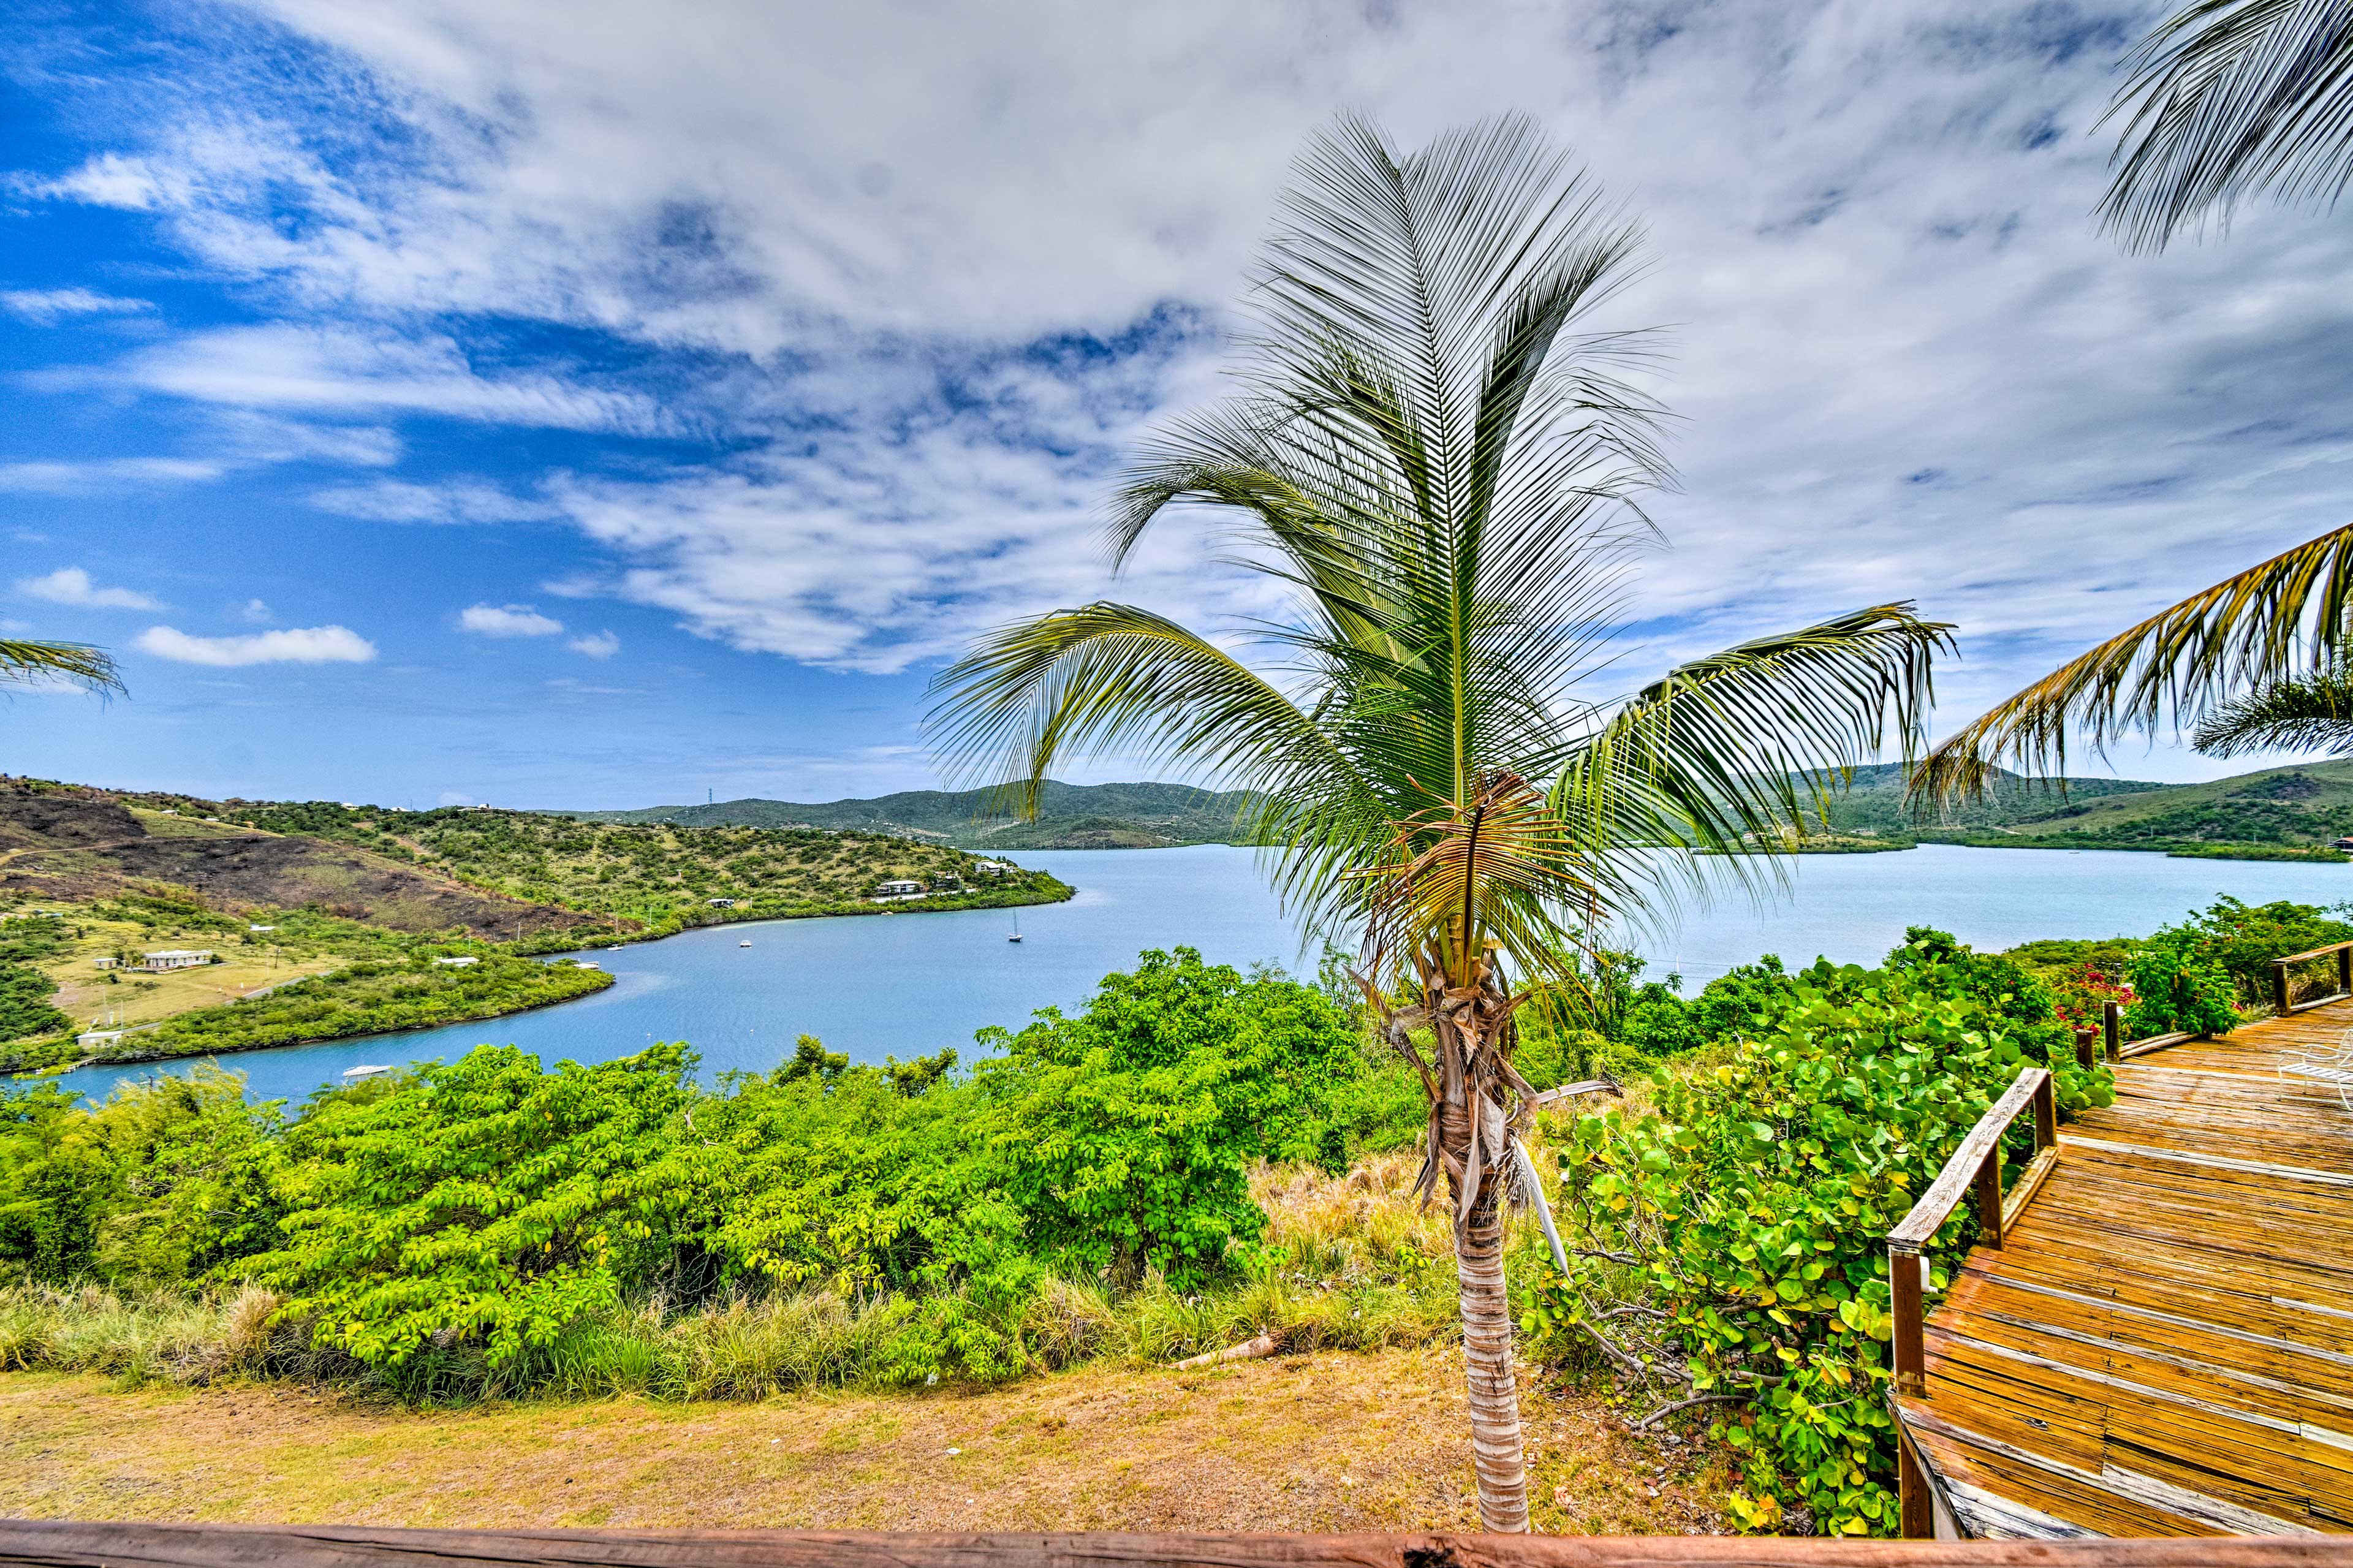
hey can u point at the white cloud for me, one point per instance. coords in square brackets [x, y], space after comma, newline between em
[348, 371]
[111, 180]
[255, 612]
[508, 621]
[459, 500]
[595, 644]
[46, 307]
[72, 586]
[929, 283]
[104, 473]
[308, 645]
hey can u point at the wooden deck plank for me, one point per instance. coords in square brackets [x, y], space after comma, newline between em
[2164, 1344]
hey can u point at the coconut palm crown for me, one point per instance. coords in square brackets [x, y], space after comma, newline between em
[1436, 456]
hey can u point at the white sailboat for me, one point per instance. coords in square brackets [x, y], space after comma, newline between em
[1017, 927]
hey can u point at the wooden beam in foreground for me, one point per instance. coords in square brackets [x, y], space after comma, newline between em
[77, 1543]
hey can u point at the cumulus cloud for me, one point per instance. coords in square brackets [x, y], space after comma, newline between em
[595, 644]
[255, 612]
[72, 586]
[46, 307]
[308, 645]
[508, 621]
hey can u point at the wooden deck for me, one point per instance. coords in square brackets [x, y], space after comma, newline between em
[2163, 1345]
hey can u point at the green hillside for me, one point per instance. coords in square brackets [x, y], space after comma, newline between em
[2301, 805]
[1873, 803]
[1069, 816]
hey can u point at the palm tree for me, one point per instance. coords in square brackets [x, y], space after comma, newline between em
[25, 660]
[2227, 100]
[1434, 460]
[2302, 713]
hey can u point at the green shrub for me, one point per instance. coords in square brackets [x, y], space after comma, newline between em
[1729, 1242]
[2177, 988]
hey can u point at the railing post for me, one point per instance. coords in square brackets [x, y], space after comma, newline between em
[1917, 1507]
[1989, 1185]
[2112, 1019]
[2279, 986]
[2084, 1049]
[2046, 1115]
[2345, 970]
[1906, 1341]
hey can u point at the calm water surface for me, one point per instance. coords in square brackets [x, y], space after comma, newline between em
[905, 985]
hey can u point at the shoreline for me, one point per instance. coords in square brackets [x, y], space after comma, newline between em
[609, 940]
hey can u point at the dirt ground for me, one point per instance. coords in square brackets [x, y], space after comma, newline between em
[1334, 1441]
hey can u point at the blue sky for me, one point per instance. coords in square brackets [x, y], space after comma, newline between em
[574, 404]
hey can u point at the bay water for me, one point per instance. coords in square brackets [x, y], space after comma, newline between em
[908, 985]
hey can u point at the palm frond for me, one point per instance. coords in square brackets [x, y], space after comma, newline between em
[2283, 616]
[2306, 713]
[25, 660]
[1728, 752]
[2227, 100]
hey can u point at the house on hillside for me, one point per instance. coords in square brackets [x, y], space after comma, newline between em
[898, 887]
[174, 958]
[2341, 842]
[106, 960]
[720, 904]
[994, 867]
[457, 962]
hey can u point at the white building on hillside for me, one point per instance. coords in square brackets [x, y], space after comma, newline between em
[174, 958]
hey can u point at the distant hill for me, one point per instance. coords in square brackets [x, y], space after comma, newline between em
[2299, 805]
[1873, 802]
[1069, 816]
[2295, 807]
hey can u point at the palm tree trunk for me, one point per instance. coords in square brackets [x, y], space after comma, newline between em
[1495, 1447]
[1487, 1365]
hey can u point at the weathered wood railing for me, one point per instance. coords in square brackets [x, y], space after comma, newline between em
[76, 1544]
[1976, 1166]
[2281, 1000]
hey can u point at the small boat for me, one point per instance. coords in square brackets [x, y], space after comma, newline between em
[365, 1071]
[1017, 930]
[746, 943]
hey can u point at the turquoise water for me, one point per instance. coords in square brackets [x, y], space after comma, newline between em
[905, 985]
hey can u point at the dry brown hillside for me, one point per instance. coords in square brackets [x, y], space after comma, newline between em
[75, 844]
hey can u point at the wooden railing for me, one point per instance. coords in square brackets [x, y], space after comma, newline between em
[2280, 998]
[1976, 1164]
[78, 1544]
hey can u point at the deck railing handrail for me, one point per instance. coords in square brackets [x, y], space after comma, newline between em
[1974, 1164]
[2280, 1002]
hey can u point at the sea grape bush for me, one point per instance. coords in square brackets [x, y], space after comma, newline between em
[483, 1207]
[1728, 1240]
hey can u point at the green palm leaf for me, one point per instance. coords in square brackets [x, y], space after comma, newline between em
[2280, 617]
[24, 660]
[2309, 714]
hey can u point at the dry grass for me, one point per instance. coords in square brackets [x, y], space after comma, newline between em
[1330, 1441]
